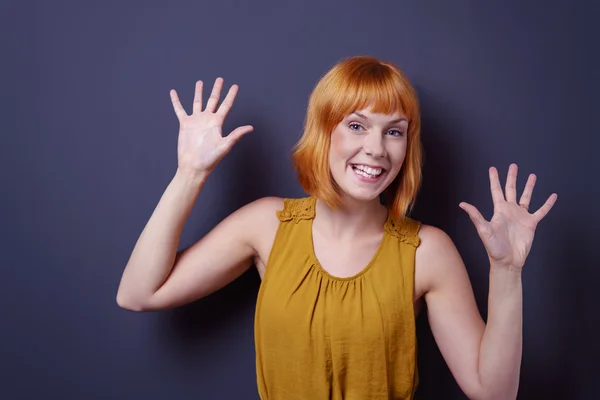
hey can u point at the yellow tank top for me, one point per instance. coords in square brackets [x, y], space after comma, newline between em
[319, 336]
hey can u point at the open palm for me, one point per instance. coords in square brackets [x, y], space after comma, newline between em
[201, 143]
[508, 236]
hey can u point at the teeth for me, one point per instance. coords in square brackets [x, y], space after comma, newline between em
[363, 173]
[371, 171]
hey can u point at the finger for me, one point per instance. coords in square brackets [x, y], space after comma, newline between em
[511, 183]
[528, 191]
[238, 133]
[198, 98]
[474, 214]
[545, 209]
[179, 111]
[227, 102]
[497, 195]
[211, 104]
[231, 139]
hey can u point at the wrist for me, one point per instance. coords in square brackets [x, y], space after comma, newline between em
[195, 178]
[505, 283]
[505, 268]
[504, 273]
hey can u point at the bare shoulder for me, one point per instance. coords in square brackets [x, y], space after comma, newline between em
[263, 223]
[260, 215]
[432, 238]
[264, 206]
[254, 220]
[436, 258]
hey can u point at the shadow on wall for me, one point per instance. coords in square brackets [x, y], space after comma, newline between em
[570, 370]
[434, 208]
[199, 332]
[218, 330]
[548, 376]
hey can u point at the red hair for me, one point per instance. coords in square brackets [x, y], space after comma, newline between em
[353, 84]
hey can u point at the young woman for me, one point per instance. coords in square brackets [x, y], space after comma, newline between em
[344, 274]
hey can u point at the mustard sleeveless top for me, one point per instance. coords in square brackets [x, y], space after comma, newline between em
[318, 336]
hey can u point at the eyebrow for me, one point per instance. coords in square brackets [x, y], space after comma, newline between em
[391, 122]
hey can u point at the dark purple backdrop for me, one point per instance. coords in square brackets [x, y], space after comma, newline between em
[88, 145]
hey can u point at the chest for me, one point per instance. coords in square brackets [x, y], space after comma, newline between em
[345, 258]
[346, 261]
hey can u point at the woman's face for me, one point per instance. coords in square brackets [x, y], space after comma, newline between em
[367, 151]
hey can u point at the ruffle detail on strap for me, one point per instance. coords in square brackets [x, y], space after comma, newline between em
[297, 209]
[406, 231]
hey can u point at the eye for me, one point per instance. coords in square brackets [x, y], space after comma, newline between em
[354, 126]
[395, 132]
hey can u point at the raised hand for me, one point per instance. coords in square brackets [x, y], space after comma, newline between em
[201, 144]
[508, 236]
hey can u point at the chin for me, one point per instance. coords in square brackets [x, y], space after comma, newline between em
[363, 195]
[363, 189]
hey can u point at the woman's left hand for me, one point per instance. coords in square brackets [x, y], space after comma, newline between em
[508, 236]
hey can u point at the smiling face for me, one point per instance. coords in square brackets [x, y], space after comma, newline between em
[367, 152]
[337, 144]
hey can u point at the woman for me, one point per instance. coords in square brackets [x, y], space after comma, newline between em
[344, 273]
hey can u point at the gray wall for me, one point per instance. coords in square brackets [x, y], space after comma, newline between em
[88, 145]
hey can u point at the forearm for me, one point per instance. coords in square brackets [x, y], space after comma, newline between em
[501, 345]
[153, 256]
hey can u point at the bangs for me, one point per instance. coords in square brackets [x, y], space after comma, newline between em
[368, 84]
[351, 85]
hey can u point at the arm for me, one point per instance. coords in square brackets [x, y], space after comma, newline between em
[220, 256]
[153, 256]
[155, 276]
[484, 360]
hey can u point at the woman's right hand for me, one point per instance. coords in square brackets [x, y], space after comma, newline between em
[201, 144]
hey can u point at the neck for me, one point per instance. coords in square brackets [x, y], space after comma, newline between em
[352, 218]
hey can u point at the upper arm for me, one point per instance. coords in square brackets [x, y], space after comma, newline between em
[453, 315]
[219, 257]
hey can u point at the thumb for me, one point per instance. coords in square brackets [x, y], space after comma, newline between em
[231, 139]
[237, 134]
[474, 214]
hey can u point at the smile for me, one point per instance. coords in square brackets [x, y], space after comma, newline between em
[370, 174]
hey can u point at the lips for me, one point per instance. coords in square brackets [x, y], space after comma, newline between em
[370, 170]
[368, 173]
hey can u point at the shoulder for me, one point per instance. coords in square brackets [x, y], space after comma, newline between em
[266, 204]
[297, 209]
[278, 209]
[257, 222]
[437, 256]
[262, 210]
[404, 229]
[263, 217]
[251, 218]
[435, 244]
[432, 237]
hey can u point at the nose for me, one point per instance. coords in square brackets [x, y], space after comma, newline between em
[373, 144]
